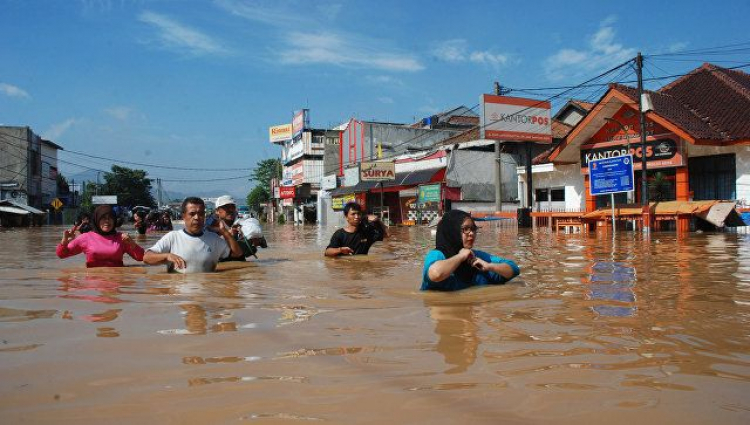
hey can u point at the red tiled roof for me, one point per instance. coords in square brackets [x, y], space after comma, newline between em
[709, 103]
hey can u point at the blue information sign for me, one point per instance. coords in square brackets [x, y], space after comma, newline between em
[611, 175]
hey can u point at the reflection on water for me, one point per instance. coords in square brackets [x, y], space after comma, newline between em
[650, 328]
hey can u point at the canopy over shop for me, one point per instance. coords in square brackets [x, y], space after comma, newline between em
[400, 196]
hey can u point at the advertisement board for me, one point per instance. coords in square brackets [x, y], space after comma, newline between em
[280, 133]
[298, 123]
[611, 175]
[377, 171]
[338, 202]
[428, 193]
[286, 192]
[351, 176]
[328, 182]
[515, 119]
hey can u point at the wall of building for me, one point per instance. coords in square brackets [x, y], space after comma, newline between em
[742, 161]
[562, 176]
[474, 172]
[49, 174]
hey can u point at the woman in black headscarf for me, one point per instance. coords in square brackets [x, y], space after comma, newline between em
[104, 246]
[454, 265]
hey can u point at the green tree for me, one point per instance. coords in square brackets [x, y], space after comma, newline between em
[63, 188]
[132, 187]
[256, 197]
[262, 174]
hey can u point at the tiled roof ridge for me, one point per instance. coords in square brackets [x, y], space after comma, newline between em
[720, 74]
[723, 74]
[706, 120]
[704, 67]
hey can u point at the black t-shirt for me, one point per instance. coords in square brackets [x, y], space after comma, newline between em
[359, 241]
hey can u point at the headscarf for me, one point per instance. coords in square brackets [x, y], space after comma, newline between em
[100, 212]
[448, 241]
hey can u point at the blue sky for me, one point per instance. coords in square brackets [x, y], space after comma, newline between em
[196, 84]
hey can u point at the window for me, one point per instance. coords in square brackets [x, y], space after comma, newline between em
[713, 177]
[558, 195]
[541, 195]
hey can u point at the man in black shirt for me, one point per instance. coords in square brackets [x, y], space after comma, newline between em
[358, 235]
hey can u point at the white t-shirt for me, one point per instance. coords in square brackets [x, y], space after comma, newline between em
[201, 253]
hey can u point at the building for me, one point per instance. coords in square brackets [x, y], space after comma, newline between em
[697, 142]
[28, 172]
[369, 141]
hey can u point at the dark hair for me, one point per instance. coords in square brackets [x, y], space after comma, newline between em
[191, 200]
[352, 206]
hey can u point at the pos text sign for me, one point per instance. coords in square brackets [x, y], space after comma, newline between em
[611, 175]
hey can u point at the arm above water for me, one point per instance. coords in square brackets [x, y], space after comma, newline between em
[442, 269]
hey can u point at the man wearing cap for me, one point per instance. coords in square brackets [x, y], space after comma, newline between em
[226, 211]
[192, 249]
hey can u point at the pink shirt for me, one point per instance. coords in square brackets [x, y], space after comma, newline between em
[101, 251]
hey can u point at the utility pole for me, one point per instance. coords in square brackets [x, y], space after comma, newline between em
[498, 163]
[642, 118]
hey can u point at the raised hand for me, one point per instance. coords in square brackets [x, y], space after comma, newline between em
[69, 235]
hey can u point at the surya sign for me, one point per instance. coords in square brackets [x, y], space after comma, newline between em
[377, 171]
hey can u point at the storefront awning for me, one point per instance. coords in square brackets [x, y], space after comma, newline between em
[14, 207]
[404, 178]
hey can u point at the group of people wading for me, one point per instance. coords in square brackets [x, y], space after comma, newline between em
[204, 242]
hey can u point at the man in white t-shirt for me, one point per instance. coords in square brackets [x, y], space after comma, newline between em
[192, 250]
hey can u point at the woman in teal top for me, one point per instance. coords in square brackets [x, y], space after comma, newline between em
[454, 265]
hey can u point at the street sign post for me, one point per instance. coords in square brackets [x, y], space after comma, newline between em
[610, 176]
[56, 203]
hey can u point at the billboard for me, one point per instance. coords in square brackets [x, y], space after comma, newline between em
[298, 123]
[515, 119]
[377, 171]
[328, 182]
[280, 133]
[337, 203]
[286, 192]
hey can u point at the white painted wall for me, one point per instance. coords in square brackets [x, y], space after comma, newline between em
[561, 176]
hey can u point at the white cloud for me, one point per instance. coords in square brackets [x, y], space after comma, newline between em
[677, 47]
[121, 113]
[457, 50]
[174, 35]
[346, 51]
[13, 91]
[488, 57]
[385, 99]
[57, 130]
[602, 52]
[317, 44]
[451, 50]
[384, 80]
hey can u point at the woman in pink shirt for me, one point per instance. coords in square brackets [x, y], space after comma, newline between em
[105, 246]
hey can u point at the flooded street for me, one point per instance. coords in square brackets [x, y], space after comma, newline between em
[636, 330]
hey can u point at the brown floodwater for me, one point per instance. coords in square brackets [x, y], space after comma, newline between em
[637, 329]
